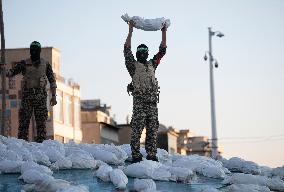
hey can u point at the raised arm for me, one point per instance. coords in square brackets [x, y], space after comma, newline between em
[164, 37]
[128, 39]
[129, 58]
[162, 49]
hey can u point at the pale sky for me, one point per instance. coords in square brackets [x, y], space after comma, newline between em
[249, 83]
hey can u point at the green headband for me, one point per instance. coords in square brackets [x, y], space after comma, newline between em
[142, 49]
[35, 43]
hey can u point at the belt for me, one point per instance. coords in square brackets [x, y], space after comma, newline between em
[33, 90]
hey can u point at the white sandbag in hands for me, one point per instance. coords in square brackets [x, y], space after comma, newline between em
[147, 24]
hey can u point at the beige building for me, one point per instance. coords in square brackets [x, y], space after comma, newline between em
[124, 134]
[63, 121]
[189, 144]
[97, 124]
[167, 139]
[182, 141]
[100, 127]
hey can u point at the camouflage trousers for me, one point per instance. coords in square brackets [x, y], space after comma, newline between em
[145, 115]
[33, 100]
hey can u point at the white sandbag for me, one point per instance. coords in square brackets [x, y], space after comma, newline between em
[47, 185]
[161, 173]
[164, 157]
[69, 149]
[120, 154]
[52, 153]
[64, 163]
[3, 151]
[203, 165]
[110, 154]
[54, 144]
[206, 189]
[237, 164]
[266, 171]
[12, 155]
[143, 169]
[144, 185]
[278, 171]
[241, 178]
[127, 149]
[103, 172]
[34, 176]
[12, 141]
[22, 151]
[28, 165]
[118, 178]
[105, 156]
[8, 166]
[246, 188]
[182, 174]
[100, 163]
[147, 24]
[212, 171]
[40, 157]
[82, 161]
[78, 188]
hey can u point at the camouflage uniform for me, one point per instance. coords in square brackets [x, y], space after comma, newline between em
[145, 111]
[34, 95]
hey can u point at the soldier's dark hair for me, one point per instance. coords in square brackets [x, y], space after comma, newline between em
[142, 47]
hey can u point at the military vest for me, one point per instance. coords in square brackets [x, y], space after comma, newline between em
[35, 75]
[144, 80]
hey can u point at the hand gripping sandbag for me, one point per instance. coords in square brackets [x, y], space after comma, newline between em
[147, 24]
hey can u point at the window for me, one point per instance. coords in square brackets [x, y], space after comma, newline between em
[13, 103]
[68, 110]
[77, 113]
[58, 109]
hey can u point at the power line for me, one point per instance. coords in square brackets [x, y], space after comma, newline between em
[254, 141]
[249, 138]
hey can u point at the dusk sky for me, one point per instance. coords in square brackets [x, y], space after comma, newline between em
[249, 83]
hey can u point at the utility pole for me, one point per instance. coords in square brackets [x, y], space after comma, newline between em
[212, 92]
[3, 73]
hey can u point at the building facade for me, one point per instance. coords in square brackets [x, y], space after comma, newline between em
[97, 124]
[189, 144]
[167, 139]
[63, 122]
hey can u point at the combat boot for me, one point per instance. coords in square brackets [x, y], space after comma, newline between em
[153, 158]
[136, 159]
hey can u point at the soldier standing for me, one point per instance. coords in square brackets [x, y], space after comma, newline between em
[36, 71]
[145, 91]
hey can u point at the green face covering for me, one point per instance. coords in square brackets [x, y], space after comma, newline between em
[145, 49]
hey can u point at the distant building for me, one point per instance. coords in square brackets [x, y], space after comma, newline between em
[167, 139]
[189, 144]
[97, 124]
[125, 135]
[183, 142]
[63, 121]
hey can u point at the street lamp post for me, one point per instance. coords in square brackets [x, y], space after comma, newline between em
[3, 73]
[212, 94]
